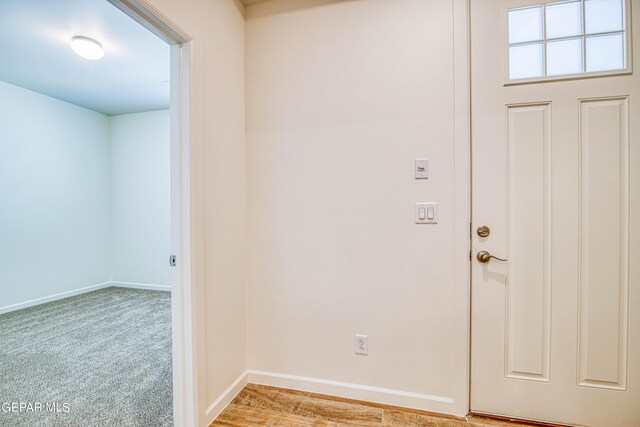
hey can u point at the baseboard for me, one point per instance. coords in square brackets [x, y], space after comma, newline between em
[225, 398]
[147, 286]
[54, 297]
[385, 396]
[74, 292]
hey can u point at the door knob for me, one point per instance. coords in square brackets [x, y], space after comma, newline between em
[484, 257]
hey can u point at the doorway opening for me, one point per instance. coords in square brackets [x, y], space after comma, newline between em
[103, 177]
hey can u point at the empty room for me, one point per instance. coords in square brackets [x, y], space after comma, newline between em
[85, 281]
[368, 213]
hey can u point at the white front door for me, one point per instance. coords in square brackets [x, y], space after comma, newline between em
[556, 179]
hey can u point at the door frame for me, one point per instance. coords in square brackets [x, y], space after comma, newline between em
[462, 213]
[183, 351]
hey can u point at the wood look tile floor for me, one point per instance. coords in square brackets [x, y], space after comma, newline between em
[259, 405]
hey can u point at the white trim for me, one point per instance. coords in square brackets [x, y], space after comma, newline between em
[145, 14]
[86, 289]
[147, 286]
[226, 397]
[461, 358]
[186, 410]
[386, 396]
[54, 297]
[185, 385]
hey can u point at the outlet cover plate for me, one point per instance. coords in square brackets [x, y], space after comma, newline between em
[362, 344]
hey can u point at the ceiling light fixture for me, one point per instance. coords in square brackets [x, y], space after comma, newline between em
[86, 47]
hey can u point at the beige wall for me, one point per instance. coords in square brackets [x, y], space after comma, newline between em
[217, 137]
[342, 96]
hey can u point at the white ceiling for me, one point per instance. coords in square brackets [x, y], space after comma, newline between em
[133, 76]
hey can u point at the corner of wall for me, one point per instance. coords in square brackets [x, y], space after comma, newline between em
[220, 404]
[111, 199]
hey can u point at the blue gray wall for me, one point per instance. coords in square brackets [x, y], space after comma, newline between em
[66, 188]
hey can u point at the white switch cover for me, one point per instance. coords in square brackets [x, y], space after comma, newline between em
[426, 213]
[422, 168]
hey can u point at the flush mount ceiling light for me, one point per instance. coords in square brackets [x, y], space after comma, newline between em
[86, 47]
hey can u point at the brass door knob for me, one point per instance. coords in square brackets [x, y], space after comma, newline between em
[484, 257]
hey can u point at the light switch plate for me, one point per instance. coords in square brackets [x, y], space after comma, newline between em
[426, 213]
[422, 168]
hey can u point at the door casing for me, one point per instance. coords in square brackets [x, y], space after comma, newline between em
[185, 387]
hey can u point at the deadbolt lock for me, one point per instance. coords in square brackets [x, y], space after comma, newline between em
[483, 231]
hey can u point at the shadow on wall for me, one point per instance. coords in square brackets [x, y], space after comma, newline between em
[284, 6]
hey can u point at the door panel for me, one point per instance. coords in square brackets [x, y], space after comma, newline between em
[556, 178]
[529, 238]
[604, 250]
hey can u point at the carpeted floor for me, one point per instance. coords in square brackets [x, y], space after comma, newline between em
[105, 354]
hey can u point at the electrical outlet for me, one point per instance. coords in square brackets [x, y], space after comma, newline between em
[362, 344]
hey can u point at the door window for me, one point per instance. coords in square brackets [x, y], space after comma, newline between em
[566, 38]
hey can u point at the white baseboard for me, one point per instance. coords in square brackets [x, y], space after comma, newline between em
[74, 292]
[225, 398]
[405, 399]
[54, 297]
[147, 286]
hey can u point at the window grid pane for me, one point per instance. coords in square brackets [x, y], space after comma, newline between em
[563, 20]
[605, 53]
[566, 38]
[603, 16]
[526, 61]
[564, 57]
[525, 25]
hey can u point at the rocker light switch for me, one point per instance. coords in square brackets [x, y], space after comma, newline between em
[426, 213]
[422, 215]
[430, 212]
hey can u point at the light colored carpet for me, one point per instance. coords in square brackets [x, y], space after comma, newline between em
[107, 354]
